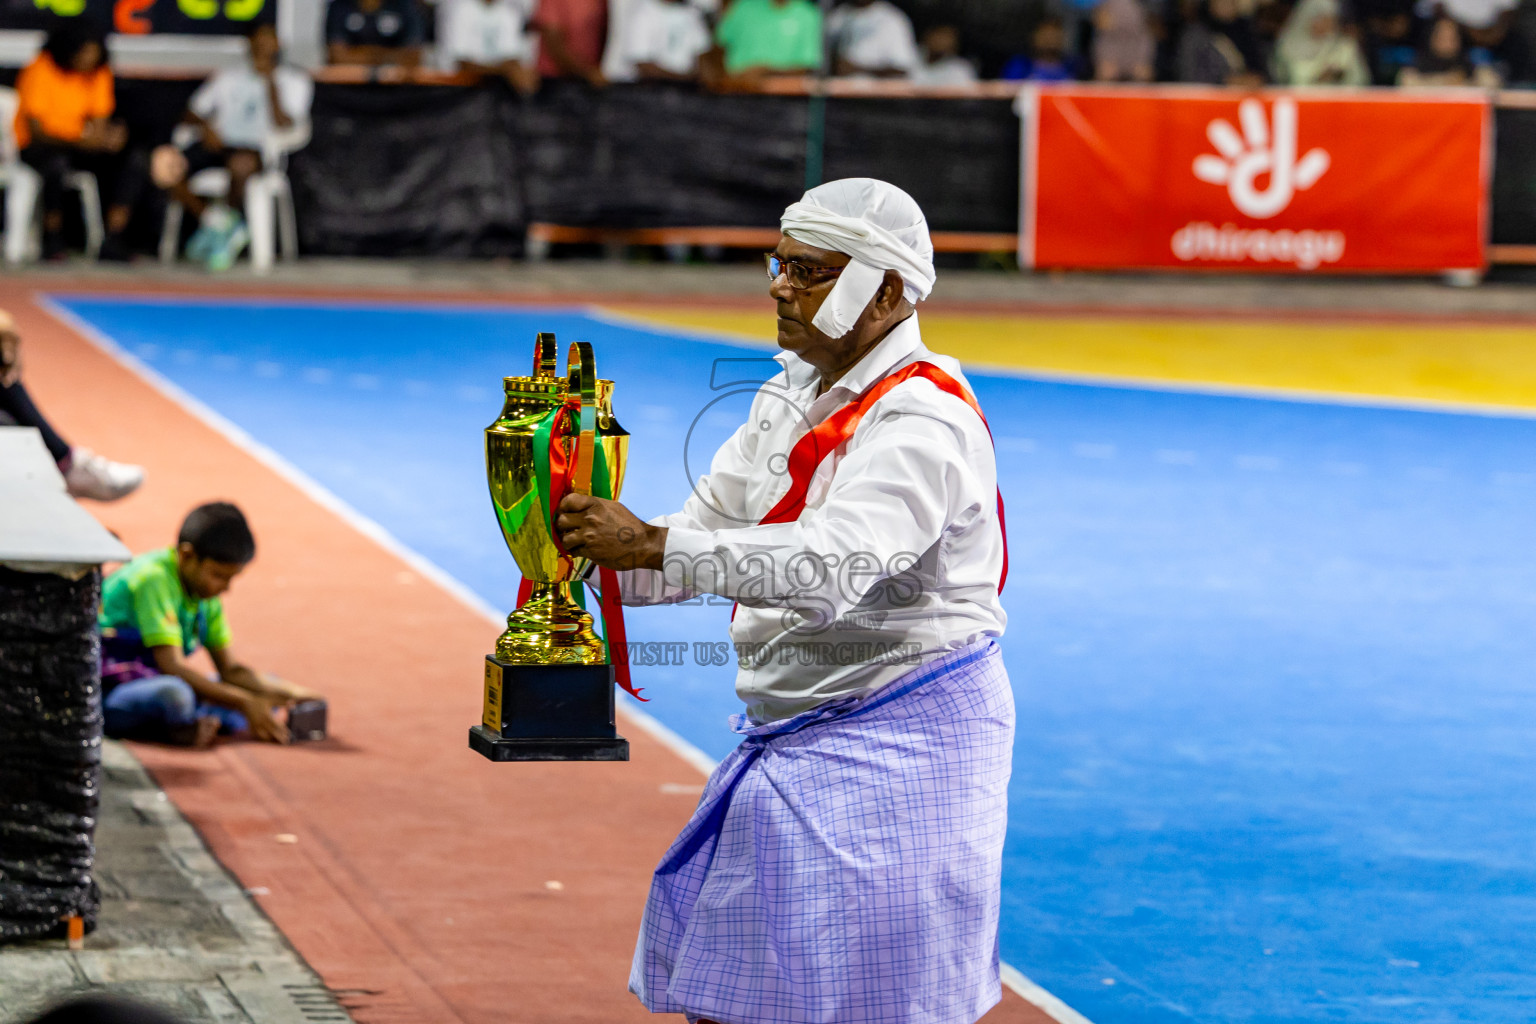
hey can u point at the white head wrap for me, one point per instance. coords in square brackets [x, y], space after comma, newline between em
[877, 224]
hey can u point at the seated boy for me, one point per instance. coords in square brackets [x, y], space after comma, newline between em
[238, 114]
[155, 612]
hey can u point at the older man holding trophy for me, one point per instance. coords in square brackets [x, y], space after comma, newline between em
[844, 863]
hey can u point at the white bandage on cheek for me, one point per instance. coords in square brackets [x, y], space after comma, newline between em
[855, 287]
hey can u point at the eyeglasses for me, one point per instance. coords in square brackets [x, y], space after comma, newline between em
[800, 275]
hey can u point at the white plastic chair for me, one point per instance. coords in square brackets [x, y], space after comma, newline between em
[268, 198]
[23, 186]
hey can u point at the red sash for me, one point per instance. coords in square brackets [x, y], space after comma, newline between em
[825, 438]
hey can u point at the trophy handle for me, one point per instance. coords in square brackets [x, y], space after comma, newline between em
[581, 386]
[546, 360]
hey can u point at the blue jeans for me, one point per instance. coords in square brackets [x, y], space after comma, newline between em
[154, 708]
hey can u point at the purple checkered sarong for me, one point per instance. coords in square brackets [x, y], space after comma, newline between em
[844, 866]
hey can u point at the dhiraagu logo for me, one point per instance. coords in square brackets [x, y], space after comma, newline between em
[1262, 173]
[1258, 152]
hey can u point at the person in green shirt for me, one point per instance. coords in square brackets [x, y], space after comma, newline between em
[156, 611]
[765, 37]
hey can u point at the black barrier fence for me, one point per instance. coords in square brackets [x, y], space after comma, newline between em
[415, 170]
[420, 169]
[1514, 178]
[397, 170]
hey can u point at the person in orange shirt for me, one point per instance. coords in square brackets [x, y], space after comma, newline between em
[64, 123]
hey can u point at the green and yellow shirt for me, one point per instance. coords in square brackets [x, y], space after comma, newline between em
[144, 600]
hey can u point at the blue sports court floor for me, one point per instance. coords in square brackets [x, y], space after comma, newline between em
[1274, 659]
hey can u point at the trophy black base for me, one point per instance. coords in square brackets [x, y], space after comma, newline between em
[564, 748]
[548, 713]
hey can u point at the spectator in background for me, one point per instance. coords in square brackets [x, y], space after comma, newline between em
[238, 114]
[770, 37]
[1047, 60]
[65, 102]
[1124, 47]
[941, 61]
[1443, 60]
[573, 33]
[1487, 26]
[1314, 49]
[663, 40]
[490, 39]
[86, 474]
[1386, 36]
[872, 37]
[1269, 19]
[619, 68]
[1220, 48]
[374, 32]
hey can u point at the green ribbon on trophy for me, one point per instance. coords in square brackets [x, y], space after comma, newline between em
[558, 472]
[549, 685]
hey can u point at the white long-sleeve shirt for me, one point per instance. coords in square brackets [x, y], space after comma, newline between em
[894, 561]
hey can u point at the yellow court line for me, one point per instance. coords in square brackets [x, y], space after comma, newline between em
[1451, 364]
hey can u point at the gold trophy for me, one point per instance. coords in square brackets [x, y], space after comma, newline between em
[549, 685]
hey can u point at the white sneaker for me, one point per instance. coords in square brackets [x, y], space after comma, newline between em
[91, 476]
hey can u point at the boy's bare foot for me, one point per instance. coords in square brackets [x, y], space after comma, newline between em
[207, 729]
[199, 734]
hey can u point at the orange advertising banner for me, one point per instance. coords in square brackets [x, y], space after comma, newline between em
[1292, 181]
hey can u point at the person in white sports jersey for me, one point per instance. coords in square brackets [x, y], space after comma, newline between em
[663, 40]
[845, 861]
[490, 38]
[872, 37]
[236, 114]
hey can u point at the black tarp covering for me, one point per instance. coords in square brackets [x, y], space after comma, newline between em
[407, 171]
[958, 158]
[50, 751]
[1514, 178]
[449, 171]
[410, 170]
[659, 156]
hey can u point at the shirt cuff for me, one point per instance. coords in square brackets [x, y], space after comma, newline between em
[688, 551]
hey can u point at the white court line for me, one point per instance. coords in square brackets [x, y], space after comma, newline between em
[1110, 380]
[1041, 999]
[318, 493]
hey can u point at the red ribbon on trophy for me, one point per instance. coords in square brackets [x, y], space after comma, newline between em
[582, 469]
